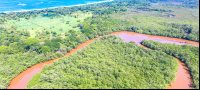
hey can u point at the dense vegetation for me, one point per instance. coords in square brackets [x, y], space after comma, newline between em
[27, 38]
[186, 53]
[161, 27]
[12, 65]
[184, 3]
[97, 9]
[109, 62]
[13, 42]
[18, 52]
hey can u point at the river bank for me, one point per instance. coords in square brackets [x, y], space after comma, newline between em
[22, 79]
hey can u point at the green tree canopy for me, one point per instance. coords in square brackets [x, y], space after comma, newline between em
[31, 42]
[56, 44]
[57, 39]
[5, 49]
[45, 49]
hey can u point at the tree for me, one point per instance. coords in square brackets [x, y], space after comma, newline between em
[5, 42]
[47, 42]
[67, 22]
[58, 54]
[5, 50]
[54, 33]
[78, 20]
[67, 44]
[31, 42]
[56, 45]
[45, 49]
[57, 39]
[47, 32]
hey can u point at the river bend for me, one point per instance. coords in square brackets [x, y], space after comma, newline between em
[183, 78]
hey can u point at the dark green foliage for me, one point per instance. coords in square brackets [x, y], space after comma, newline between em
[8, 36]
[45, 49]
[97, 26]
[54, 33]
[74, 38]
[5, 50]
[67, 22]
[56, 45]
[186, 53]
[47, 32]
[57, 39]
[31, 42]
[185, 3]
[59, 54]
[141, 24]
[24, 52]
[13, 40]
[78, 20]
[109, 62]
[53, 45]
[12, 65]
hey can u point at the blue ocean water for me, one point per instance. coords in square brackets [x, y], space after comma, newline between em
[21, 5]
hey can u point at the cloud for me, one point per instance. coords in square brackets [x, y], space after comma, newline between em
[22, 4]
[39, 3]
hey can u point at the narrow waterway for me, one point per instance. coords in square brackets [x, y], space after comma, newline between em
[183, 78]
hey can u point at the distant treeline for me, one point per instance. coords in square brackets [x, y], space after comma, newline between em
[185, 3]
[94, 27]
[153, 9]
[97, 9]
[13, 42]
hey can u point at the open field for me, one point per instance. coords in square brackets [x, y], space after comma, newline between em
[181, 14]
[57, 24]
[159, 22]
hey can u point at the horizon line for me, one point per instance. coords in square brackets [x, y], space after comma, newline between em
[7, 12]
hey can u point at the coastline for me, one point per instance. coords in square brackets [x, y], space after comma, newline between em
[7, 12]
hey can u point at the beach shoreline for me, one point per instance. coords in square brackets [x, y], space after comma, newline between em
[7, 12]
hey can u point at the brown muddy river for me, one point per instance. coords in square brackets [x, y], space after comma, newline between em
[183, 78]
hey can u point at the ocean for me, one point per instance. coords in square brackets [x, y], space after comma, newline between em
[26, 5]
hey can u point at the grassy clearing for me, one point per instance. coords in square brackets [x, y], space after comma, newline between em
[40, 23]
[152, 22]
[186, 14]
[181, 14]
[159, 23]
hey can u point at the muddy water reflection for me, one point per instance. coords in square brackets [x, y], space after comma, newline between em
[21, 81]
[182, 78]
[136, 37]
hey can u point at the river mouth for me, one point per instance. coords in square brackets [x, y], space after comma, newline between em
[183, 78]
